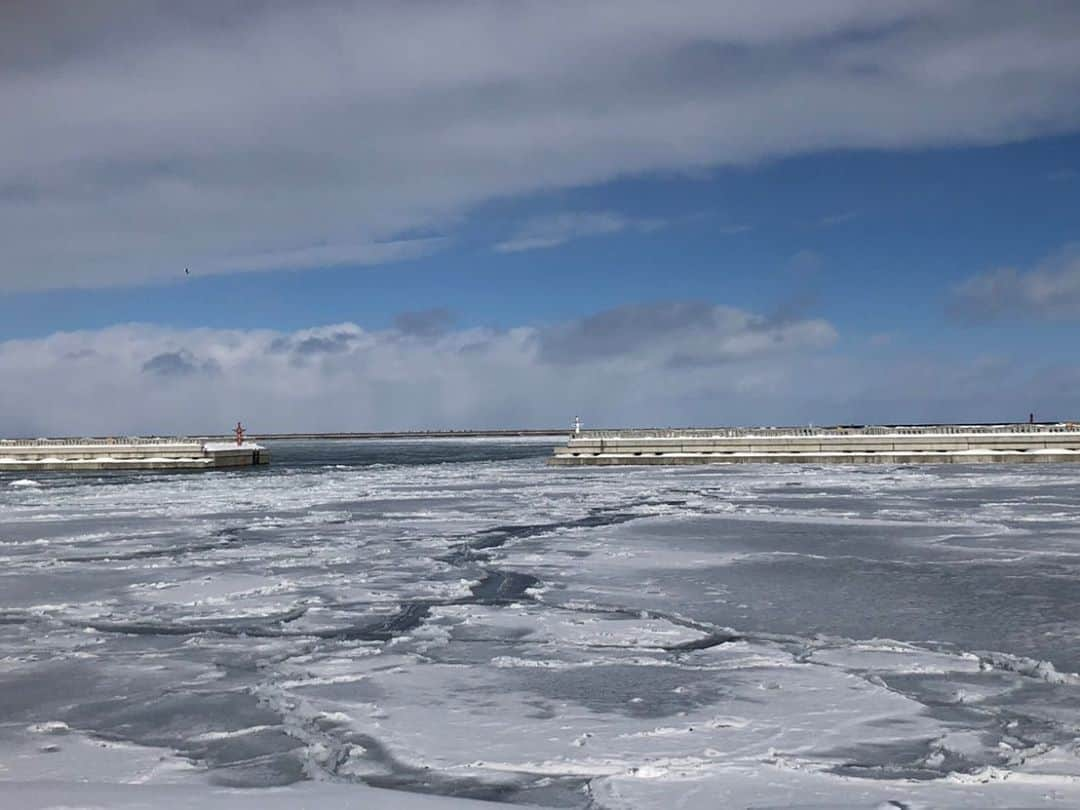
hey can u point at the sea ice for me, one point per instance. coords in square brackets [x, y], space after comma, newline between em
[458, 619]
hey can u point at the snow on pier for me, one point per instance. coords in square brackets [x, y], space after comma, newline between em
[127, 453]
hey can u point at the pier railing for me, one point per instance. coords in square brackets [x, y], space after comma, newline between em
[126, 441]
[869, 430]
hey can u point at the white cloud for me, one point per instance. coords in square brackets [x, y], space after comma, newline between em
[557, 229]
[838, 219]
[142, 137]
[1049, 291]
[677, 362]
[333, 255]
[805, 262]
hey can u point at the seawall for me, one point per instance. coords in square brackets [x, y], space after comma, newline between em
[129, 453]
[894, 444]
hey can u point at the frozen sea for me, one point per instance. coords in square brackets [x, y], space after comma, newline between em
[448, 624]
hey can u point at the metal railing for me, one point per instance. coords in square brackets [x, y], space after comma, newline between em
[112, 441]
[795, 432]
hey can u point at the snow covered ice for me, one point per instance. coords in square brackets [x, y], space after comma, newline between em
[452, 623]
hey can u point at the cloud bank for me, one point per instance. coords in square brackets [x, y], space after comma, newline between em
[674, 363]
[142, 137]
[679, 362]
[1049, 291]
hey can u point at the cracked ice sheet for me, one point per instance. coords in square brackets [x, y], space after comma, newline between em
[776, 785]
[325, 796]
[53, 752]
[595, 697]
[1020, 728]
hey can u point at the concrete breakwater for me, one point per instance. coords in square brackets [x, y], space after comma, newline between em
[891, 444]
[129, 453]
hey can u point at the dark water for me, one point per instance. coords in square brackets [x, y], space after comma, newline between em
[292, 455]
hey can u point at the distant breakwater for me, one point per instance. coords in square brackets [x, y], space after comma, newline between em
[889, 444]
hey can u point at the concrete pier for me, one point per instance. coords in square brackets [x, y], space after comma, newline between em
[131, 453]
[890, 444]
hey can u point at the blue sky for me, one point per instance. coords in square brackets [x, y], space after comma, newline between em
[868, 182]
[875, 241]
